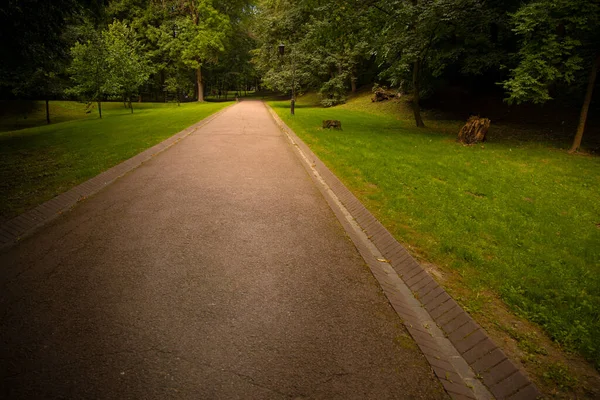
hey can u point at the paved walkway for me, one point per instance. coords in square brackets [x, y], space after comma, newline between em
[215, 270]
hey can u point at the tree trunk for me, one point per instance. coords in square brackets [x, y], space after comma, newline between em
[100, 109]
[139, 98]
[586, 106]
[200, 84]
[353, 83]
[47, 111]
[130, 105]
[416, 88]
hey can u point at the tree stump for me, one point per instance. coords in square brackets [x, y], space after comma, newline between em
[332, 123]
[474, 131]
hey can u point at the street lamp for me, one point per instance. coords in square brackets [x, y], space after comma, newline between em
[281, 49]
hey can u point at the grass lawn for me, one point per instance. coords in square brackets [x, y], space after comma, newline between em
[41, 162]
[513, 219]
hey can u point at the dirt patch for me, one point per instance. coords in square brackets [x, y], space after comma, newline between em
[434, 271]
[557, 373]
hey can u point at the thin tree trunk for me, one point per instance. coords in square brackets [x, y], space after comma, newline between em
[139, 98]
[416, 88]
[130, 104]
[200, 84]
[47, 111]
[353, 83]
[100, 109]
[585, 107]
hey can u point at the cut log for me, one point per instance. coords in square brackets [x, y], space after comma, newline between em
[381, 93]
[474, 131]
[332, 123]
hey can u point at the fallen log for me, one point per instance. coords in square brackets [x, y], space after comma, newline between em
[382, 93]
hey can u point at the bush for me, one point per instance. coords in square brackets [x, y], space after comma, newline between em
[333, 92]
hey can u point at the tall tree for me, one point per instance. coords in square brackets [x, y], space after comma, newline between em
[421, 38]
[338, 38]
[88, 71]
[127, 65]
[33, 42]
[560, 42]
[285, 22]
[203, 34]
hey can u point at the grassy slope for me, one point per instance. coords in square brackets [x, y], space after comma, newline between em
[511, 218]
[39, 163]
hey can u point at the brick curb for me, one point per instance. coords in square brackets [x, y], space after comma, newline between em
[25, 224]
[457, 348]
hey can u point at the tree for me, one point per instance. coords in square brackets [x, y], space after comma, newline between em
[88, 71]
[178, 82]
[421, 38]
[559, 42]
[202, 33]
[234, 69]
[337, 36]
[285, 22]
[34, 45]
[128, 68]
[45, 81]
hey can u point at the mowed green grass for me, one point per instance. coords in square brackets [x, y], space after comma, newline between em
[517, 218]
[39, 163]
[16, 115]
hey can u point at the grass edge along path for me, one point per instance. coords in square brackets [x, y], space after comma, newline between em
[506, 220]
[39, 163]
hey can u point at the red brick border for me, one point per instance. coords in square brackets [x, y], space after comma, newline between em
[485, 359]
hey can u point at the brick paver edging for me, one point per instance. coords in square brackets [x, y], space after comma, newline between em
[457, 348]
[25, 224]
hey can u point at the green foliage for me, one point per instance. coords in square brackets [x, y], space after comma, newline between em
[559, 41]
[333, 92]
[34, 46]
[203, 34]
[435, 33]
[559, 375]
[126, 65]
[88, 70]
[178, 82]
[324, 46]
[111, 63]
[186, 39]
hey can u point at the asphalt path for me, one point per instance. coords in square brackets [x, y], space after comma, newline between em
[216, 270]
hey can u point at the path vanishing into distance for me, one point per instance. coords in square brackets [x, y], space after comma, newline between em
[216, 270]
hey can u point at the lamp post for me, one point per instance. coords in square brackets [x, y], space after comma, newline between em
[281, 49]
